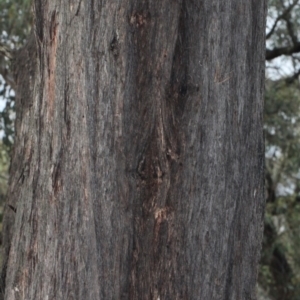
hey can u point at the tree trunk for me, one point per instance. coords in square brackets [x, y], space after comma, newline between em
[143, 163]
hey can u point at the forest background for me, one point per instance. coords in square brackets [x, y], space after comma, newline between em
[279, 274]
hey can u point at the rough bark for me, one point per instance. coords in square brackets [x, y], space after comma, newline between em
[144, 152]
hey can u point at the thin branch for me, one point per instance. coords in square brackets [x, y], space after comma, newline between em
[290, 29]
[6, 54]
[282, 16]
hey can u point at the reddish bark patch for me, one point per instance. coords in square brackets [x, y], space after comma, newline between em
[160, 215]
[139, 19]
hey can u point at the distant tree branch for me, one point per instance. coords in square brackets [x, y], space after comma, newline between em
[284, 14]
[287, 50]
[6, 54]
[276, 52]
[290, 29]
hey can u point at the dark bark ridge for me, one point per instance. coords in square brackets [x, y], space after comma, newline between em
[144, 153]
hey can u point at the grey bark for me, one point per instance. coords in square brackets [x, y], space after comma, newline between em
[144, 152]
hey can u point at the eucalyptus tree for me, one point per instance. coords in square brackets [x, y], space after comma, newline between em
[137, 170]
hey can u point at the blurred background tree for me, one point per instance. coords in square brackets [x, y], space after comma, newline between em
[279, 275]
[15, 26]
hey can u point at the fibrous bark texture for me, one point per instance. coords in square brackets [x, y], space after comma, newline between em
[143, 159]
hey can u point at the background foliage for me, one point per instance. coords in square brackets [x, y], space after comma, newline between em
[279, 275]
[15, 25]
